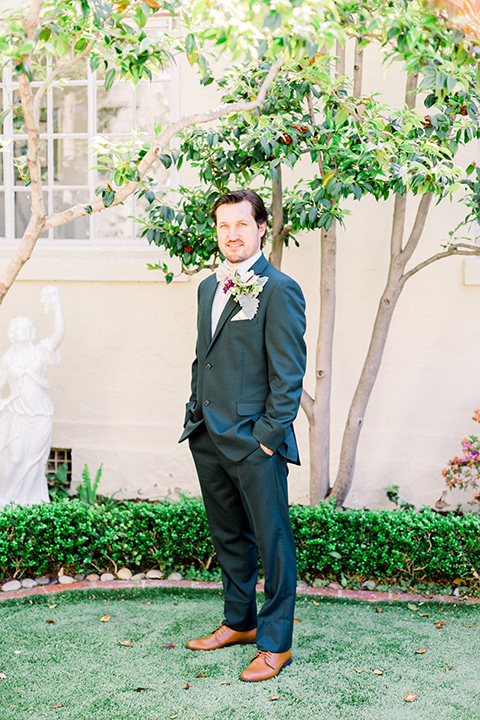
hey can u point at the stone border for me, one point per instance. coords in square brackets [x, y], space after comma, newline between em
[369, 595]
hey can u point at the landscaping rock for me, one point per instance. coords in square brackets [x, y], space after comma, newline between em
[107, 577]
[318, 583]
[124, 574]
[302, 584]
[92, 577]
[79, 578]
[139, 576]
[65, 579]
[369, 584]
[334, 586]
[11, 585]
[29, 583]
[154, 574]
[42, 580]
[175, 576]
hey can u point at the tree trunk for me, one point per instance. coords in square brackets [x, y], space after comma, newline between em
[277, 221]
[357, 71]
[395, 283]
[318, 411]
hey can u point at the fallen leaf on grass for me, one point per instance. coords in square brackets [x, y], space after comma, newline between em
[378, 672]
[105, 618]
[378, 609]
[54, 707]
[412, 607]
[423, 614]
[53, 606]
[3, 676]
[169, 646]
[201, 675]
[421, 651]
[410, 697]
[226, 682]
[440, 624]
[449, 667]
[471, 625]
[139, 689]
[275, 697]
[186, 686]
[359, 670]
[315, 602]
[50, 622]
[149, 603]
[296, 620]
[125, 643]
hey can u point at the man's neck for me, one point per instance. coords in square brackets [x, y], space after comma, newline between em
[245, 264]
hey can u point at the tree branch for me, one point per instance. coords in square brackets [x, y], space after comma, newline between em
[149, 158]
[470, 250]
[418, 226]
[357, 71]
[31, 20]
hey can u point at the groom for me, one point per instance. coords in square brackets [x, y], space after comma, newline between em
[246, 388]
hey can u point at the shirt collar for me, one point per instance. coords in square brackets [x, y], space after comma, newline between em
[247, 264]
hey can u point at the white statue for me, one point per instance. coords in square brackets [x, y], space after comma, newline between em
[26, 415]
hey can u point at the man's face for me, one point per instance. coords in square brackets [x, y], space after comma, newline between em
[239, 236]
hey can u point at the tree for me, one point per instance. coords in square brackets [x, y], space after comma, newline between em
[358, 146]
[44, 41]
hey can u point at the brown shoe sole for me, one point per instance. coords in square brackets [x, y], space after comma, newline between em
[289, 662]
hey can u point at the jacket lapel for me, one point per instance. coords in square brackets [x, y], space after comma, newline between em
[231, 308]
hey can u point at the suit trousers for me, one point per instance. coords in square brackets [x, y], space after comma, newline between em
[247, 508]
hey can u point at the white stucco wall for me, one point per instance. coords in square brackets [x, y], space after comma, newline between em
[120, 390]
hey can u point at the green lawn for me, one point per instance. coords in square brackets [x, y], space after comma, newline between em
[55, 651]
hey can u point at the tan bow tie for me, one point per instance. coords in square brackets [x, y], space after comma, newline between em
[224, 272]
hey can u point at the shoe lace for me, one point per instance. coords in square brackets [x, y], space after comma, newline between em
[219, 629]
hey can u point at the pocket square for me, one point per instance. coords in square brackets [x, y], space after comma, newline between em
[240, 316]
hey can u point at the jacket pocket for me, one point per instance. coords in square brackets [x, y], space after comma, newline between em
[250, 408]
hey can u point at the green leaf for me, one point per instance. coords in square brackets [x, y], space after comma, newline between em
[109, 78]
[88, 209]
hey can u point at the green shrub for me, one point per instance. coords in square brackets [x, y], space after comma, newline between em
[418, 546]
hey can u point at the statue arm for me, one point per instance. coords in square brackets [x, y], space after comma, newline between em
[51, 299]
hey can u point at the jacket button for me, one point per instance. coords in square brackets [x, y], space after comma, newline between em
[208, 366]
[206, 402]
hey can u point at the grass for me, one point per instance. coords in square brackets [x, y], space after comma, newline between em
[77, 662]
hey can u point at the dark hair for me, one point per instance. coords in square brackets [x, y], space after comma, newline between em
[259, 211]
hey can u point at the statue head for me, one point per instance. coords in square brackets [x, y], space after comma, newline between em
[21, 330]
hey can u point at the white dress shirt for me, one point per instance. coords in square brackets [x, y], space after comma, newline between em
[220, 298]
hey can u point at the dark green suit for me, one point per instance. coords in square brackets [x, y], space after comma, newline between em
[246, 389]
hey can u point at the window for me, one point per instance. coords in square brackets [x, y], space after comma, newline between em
[69, 120]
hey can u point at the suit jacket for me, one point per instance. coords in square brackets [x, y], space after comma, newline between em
[247, 378]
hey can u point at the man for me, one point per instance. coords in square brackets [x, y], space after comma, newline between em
[246, 387]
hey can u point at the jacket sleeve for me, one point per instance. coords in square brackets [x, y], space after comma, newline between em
[286, 357]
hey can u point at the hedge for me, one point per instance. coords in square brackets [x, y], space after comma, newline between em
[420, 546]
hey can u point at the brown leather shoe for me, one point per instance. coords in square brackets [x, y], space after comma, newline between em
[223, 636]
[266, 665]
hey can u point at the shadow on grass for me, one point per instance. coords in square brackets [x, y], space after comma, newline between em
[351, 662]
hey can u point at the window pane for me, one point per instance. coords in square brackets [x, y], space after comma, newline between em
[114, 109]
[22, 212]
[70, 114]
[114, 222]
[20, 150]
[78, 229]
[70, 161]
[77, 71]
[152, 105]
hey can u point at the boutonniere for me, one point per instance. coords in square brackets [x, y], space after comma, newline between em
[245, 289]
